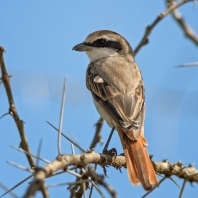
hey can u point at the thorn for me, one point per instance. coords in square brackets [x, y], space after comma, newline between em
[179, 163]
[5, 114]
[90, 150]
[154, 187]
[61, 116]
[72, 148]
[174, 182]
[159, 175]
[20, 167]
[9, 191]
[164, 160]
[187, 65]
[151, 157]
[67, 138]
[182, 190]
[21, 150]
[39, 152]
[73, 173]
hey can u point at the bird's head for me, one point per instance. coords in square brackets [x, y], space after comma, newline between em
[104, 43]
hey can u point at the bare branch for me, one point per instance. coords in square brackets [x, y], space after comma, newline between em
[168, 169]
[65, 160]
[13, 111]
[149, 28]
[189, 32]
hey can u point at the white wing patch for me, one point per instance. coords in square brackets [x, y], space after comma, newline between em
[98, 79]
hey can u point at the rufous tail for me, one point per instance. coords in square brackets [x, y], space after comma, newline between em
[139, 166]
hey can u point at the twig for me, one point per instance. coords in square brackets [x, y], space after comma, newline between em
[61, 117]
[15, 186]
[97, 137]
[189, 32]
[13, 111]
[149, 28]
[7, 191]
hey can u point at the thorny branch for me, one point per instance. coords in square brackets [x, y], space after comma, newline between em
[188, 173]
[149, 28]
[189, 32]
[13, 112]
[63, 161]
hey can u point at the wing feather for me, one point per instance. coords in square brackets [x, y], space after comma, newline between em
[124, 106]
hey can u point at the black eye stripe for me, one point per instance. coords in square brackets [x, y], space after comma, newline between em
[114, 44]
[103, 43]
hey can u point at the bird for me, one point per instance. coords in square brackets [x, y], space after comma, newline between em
[116, 84]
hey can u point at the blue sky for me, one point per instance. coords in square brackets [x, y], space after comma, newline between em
[39, 36]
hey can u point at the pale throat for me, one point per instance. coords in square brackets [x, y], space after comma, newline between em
[99, 53]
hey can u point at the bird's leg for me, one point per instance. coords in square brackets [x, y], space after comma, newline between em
[113, 150]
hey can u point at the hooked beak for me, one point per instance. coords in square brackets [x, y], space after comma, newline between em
[82, 47]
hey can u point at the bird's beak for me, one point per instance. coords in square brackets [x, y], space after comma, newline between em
[82, 47]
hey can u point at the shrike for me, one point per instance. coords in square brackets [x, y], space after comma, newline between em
[116, 84]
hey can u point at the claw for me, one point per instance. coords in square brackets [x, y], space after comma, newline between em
[112, 152]
[105, 171]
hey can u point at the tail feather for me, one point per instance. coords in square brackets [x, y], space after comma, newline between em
[139, 166]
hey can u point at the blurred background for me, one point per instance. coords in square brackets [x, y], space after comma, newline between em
[39, 37]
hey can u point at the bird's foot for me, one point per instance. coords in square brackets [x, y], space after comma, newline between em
[105, 170]
[112, 152]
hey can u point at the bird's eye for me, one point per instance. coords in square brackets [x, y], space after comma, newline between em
[101, 42]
